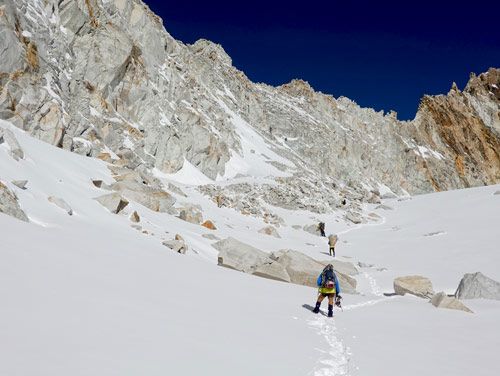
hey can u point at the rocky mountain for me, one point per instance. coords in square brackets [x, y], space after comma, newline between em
[103, 78]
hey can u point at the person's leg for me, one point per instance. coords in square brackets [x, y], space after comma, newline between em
[318, 303]
[333, 251]
[330, 304]
[330, 250]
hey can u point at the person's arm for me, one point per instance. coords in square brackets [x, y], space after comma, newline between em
[337, 285]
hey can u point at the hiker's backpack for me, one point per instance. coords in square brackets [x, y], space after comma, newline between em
[328, 278]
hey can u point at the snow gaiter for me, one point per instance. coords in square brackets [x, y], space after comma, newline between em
[316, 309]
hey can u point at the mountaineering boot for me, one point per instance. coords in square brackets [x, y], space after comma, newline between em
[330, 310]
[316, 309]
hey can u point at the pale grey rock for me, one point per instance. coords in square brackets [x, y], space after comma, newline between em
[7, 136]
[191, 214]
[236, 255]
[177, 245]
[114, 202]
[365, 265]
[414, 285]
[303, 270]
[9, 204]
[388, 195]
[354, 217]
[297, 227]
[272, 270]
[441, 300]
[21, 184]
[270, 230]
[497, 192]
[384, 207]
[59, 202]
[478, 286]
[210, 236]
[312, 229]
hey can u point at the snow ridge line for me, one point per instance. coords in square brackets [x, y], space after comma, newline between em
[336, 361]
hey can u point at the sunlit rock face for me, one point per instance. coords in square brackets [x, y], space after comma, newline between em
[103, 78]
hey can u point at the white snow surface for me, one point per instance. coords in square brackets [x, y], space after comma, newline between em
[89, 295]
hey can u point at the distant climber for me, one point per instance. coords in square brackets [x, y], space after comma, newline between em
[321, 228]
[332, 240]
[328, 287]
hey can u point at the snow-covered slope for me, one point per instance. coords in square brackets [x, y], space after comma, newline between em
[87, 294]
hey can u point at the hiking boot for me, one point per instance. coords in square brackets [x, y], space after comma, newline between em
[330, 310]
[316, 309]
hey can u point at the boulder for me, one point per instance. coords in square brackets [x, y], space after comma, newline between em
[9, 204]
[272, 270]
[152, 198]
[114, 202]
[177, 244]
[312, 229]
[61, 204]
[7, 136]
[353, 217]
[209, 224]
[414, 285]
[210, 237]
[384, 207]
[374, 199]
[304, 270]
[134, 217]
[270, 230]
[20, 183]
[191, 214]
[239, 256]
[441, 300]
[343, 267]
[477, 286]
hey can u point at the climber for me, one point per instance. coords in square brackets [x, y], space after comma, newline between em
[332, 240]
[328, 287]
[321, 228]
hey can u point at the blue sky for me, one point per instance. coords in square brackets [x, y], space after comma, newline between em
[382, 54]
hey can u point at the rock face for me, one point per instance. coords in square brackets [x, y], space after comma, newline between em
[103, 78]
[441, 300]
[9, 204]
[414, 285]
[477, 286]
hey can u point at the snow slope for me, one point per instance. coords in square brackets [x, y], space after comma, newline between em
[89, 295]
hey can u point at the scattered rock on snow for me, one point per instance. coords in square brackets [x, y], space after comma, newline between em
[441, 300]
[7, 136]
[210, 237]
[20, 183]
[312, 229]
[97, 183]
[209, 224]
[388, 195]
[114, 202]
[497, 193]
[414, 285]
[177, 245]
[476, 286]
[365, 265]
[134, 217]
[270, 230]
[61, 203]
[9, 204]
[191, 214]
[296, 227]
